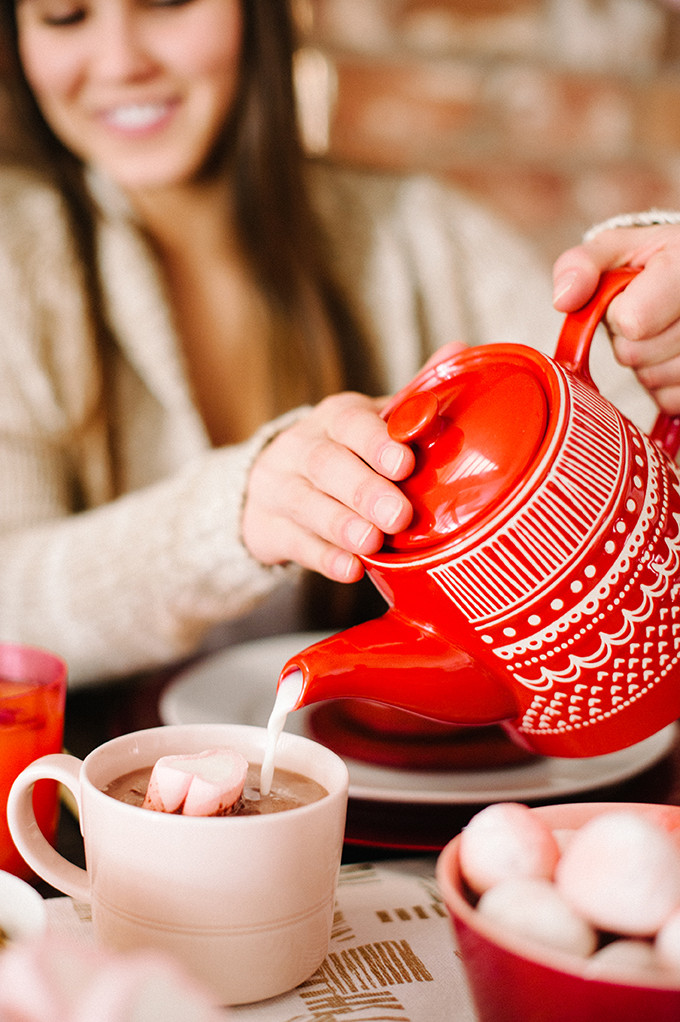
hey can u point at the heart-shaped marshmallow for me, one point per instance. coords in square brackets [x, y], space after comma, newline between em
[204, 784]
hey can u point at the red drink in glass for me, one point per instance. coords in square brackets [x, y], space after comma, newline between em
[32, 698]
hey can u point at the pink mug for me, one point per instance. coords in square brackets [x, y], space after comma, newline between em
[245, 903]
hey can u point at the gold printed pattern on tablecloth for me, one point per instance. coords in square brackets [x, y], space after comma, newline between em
[355, 982]
[360, 977]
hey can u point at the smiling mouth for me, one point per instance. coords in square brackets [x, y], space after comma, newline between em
[137, 116]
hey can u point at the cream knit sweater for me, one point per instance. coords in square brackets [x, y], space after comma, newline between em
[118, 582]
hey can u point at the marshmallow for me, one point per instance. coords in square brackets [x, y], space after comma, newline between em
[506, 840]
[563, 836]
[205, 784]
[667, 941]
[621, 958]
[621, 871]
[533, 908]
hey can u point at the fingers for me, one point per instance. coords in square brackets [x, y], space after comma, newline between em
[323, 492]
[352, 422]
[331, 470]
[649, 307]
[577, 271]
[644, 319]
[662, 379]
[575, 277]
[662, 347]
[282, 538]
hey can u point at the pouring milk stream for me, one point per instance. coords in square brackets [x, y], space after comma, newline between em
[287, 695]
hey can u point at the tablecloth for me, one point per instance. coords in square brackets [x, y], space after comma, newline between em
[392, 954]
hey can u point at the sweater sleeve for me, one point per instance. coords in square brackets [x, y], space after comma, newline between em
[138, 581]
[116, 584]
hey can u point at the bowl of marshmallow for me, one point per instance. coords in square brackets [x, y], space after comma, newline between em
[568, 913]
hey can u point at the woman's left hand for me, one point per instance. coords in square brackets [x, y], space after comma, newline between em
[643, 320]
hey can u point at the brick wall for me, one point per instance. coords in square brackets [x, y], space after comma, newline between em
[558, 113]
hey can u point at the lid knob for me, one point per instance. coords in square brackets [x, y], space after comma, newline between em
[474, 438]
[414, 417]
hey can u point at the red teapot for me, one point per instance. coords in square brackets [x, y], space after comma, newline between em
[537, 583]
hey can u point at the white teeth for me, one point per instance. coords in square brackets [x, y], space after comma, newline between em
[138, 116]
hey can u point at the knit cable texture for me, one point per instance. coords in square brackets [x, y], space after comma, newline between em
[649, 218]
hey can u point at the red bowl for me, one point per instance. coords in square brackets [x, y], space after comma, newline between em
[512, 978]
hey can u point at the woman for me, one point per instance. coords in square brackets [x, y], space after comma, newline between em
[181, 296]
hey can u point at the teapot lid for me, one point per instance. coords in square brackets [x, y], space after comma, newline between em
[474, 436]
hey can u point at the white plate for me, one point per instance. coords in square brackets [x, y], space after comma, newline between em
[238, 686]
[23, 912]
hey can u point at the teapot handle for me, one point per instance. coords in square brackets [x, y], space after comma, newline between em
[576, 336]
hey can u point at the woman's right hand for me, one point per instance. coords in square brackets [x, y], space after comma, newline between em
[323, 491]
[644, 320]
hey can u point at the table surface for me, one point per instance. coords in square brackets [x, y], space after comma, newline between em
[384, 844]
[392, 952]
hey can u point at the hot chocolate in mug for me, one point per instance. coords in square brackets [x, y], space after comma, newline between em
[245, 903]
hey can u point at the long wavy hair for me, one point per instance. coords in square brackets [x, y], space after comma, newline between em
[278, 229]
[279, 232]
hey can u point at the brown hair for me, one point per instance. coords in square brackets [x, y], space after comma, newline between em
[279, 231]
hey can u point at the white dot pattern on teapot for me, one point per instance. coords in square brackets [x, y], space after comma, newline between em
[608, 546]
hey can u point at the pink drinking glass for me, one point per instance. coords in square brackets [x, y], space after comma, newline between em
[32, 700]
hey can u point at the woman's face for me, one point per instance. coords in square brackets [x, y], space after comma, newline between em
[138, 88]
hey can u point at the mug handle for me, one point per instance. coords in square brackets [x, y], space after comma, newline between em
[26, 834]
[576, 336]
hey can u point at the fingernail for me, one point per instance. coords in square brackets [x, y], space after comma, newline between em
[344, 565]
[563, 284]
[392, 458]
[387, 511]
[358, 532]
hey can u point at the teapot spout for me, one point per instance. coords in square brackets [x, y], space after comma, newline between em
[393, 661]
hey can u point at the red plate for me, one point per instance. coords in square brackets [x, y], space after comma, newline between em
[343, 727]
